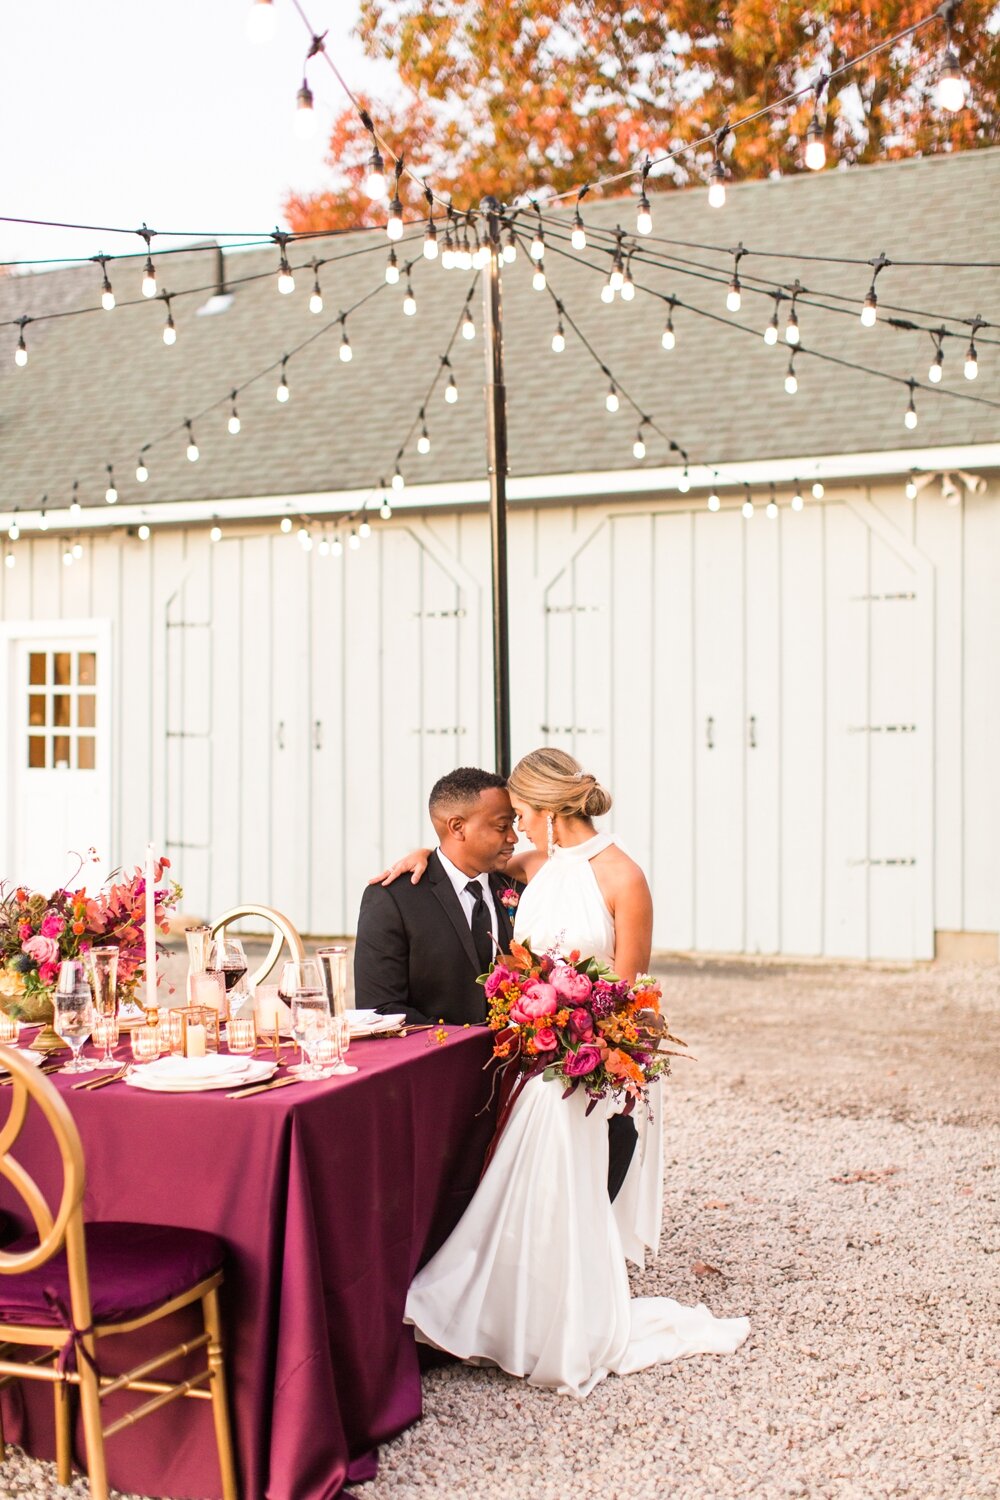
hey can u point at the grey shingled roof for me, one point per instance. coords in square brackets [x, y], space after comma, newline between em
[97, 387]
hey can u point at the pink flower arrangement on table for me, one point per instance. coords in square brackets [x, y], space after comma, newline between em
[573, 1021]
[37, 932]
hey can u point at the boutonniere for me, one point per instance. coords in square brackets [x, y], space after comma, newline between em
[509, 899]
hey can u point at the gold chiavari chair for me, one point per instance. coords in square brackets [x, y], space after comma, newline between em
[284, 933]
[71, 1284]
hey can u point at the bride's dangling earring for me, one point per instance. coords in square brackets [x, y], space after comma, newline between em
[551, 835]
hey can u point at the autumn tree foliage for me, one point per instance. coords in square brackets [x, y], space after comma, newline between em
[533, 97]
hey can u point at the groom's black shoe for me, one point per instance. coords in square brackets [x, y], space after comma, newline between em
[622, 1138]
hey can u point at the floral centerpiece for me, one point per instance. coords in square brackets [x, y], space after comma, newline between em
[37, 932]
[578, 1024]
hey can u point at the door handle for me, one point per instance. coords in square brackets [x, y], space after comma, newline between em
[710, 732]
[280, 735]
[752, 731]
[318, 735]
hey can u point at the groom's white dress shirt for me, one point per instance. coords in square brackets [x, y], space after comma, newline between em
[460, 880]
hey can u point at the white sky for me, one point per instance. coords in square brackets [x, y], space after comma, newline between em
[117, 111]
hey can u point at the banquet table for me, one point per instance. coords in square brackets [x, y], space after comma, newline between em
[329, 1196]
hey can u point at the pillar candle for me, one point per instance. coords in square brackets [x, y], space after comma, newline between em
[150, 930]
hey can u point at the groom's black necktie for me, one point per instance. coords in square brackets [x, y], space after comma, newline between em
[482, 927]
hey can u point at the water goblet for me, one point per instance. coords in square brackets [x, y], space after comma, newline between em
[73, 1021]
[296, 975]
[342, 1042]
[310, 1008]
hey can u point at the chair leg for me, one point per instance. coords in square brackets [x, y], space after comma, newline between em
[64, 1455]
[93, 1430]
[220, 1401]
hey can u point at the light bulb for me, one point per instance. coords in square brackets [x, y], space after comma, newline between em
[75, 509]
[815, 147]
[392, 269]
[772, 510]
[869, 312]
[747, 508]
[234, 424]
[538, 279]
[354, 541]
[639, 448]
[316, 299]
[911, 488]
[771, 331]
[451, 391]
[797, 501]
[669, 338]
[286, 281]
[302, 535]
[364, 530]
[11, 561]
[791, 383]
[713, 501]
[558, 340]
[21, 353]
[644, 218]
[463, 257]
[616, 280]
[409, 303]
[261, 22]
[424, 441]
[538, 246]
[111, 495]
[910, 417]
[607, 292]
[949, 91]
[193, 453]
[385, 511]
[684, 483]
[792, 328]
[141, 472]
[717, 186]
[935, 372]
[481, 257]
[394, 226]
[578, 239]
[215, 534]
[43, 522]
[611, 402]
[510, 249]
[336, 547]
[734, 300]
[346, 352]
[818, 490]
[169, 331]
[468, 325]
[77, 551]
[324, 547]
[282, 393]
[67, 558]
[398, 482]
[148, 279]
[971, 363]
[430, 243]
[13, 531]
[305, 115]
[628, 287]
[107, 296]
[286, 524]
[375, 180]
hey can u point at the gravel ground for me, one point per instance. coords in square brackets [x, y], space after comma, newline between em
[831, 1172]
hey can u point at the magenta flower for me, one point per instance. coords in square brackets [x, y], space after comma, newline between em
[546, 1040]
[581, 1025]
[537, 1001]
[53, 925]
[570, 985]
[583, 1061]
[497, 977]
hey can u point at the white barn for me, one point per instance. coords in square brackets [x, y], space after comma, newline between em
[799, 717]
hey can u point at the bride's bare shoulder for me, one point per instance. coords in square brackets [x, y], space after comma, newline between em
[619, 870]
[523, 866]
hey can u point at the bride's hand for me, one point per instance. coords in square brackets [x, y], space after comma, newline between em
[416, 861]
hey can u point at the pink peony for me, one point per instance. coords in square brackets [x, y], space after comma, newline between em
[546, 1040]
[571, 985]
[52, 926]
[537, 1000]
[579, 1063]
[44, 950]
[581, 1025]
[498, 977]
[48, 973]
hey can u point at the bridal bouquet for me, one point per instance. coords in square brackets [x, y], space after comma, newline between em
[37, 932]
[575, 1022]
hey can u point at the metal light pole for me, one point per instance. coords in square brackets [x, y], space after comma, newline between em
[496, 451]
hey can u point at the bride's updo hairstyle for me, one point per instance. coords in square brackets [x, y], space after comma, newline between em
[553, 782]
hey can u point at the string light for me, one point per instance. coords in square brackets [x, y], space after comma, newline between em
[261, 22]
[538, 277]
[336, 547]
[354, 541]
[346, 352]
[772, 506]
[747, 506]
[713, 501]
[734, 299]
[169, 331]
[316, 295]
[468, 324]
[628, 285]
[668, 339]
[481, 254]
[67, 558]
[286, 281]
[644, 214]
[510, 249]
[148, 271]
[10, 560]
[21, 352]
[394, 224]
[409, 301]
[424, 440]
[451, 389]
[107, 295]
[818, 490]
[74, 504]
[792, 326]
[935, 372]
[282, 393]
[77, 550]
[949, 89]
[616, 278]
[607, 291]
[364, 530]
[398, 482]
[717, 185]
[43, 520]
[611, 402]
[286, 524]
[305, 115]
[797, 500]
[392, 269]
[385, 509]
[771, 331]
[111, 493]
[684, 483]
[234, 416]
[463, 250]
[578, 236]
[141, 474]
[869, 310]
[192, 447]
[815, 152]
[144, 533]
[431, 235]
[911, 487]
[538, 241]
[639, 446]
[324, 545]
[791, 379]
[375, 176]
[971, 361]
[559, 337]
[13, 530]
[910, 417]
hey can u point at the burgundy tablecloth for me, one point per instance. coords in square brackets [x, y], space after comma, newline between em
[329, 1195]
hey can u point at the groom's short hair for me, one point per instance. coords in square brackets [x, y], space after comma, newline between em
[461, 788]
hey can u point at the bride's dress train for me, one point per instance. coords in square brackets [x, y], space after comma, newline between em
[534, 1278]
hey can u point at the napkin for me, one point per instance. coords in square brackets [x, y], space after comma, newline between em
[196, 1069]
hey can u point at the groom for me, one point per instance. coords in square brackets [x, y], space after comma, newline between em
[420, 948]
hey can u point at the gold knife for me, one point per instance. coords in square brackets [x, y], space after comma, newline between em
[262, 1088]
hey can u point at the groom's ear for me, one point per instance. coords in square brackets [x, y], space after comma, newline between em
[456, 826]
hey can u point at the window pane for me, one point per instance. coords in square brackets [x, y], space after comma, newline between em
[36, 708]
[85, 747]
[87, 669]
[86, 710]
[36, 752]
[61, 663]
[36, 668]
[60, 710]
[60, 752]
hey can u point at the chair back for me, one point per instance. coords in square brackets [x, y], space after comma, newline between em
[29, 1086]
[284, 933]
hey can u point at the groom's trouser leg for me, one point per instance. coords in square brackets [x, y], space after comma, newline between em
[622, 1139]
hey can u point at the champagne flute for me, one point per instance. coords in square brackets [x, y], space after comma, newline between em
[74, 1021]
[102, 972]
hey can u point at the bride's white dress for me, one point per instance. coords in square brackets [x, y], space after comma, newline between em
[533, 1278]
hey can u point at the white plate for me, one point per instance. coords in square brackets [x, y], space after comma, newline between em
[371, 1023]
[256, 1072]
[32, 1057]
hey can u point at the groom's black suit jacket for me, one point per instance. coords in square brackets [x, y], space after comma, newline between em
[414, 952]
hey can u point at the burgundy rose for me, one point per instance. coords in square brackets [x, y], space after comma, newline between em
[583, 1061]
[581, 1025]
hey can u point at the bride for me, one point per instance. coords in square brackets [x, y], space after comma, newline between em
[533, 1278]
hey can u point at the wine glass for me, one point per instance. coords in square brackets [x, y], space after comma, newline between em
[231, 962]
[102, 971]
[74, 1021]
